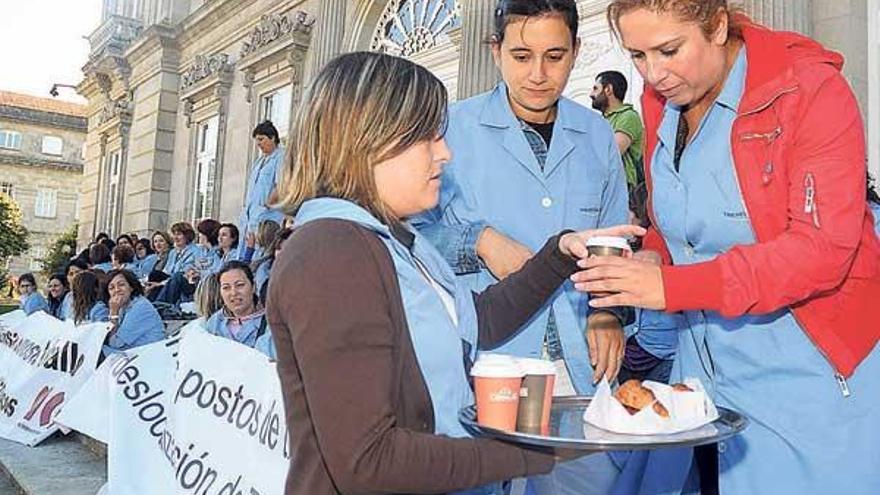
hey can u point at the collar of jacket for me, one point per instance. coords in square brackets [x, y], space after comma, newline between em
[497, 112]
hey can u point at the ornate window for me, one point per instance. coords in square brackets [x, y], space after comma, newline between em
[206, 169]
[275, 107]
[113, 162]
[408, 27]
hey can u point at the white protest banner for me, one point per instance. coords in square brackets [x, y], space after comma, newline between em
[126, 405]
[229, 423]
[216, 426]
[43, 361]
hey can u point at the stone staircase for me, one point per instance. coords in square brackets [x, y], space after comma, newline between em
[62, 465]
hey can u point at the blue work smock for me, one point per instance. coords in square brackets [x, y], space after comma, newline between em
[139, 324]
[495, 179]
[262, 180]
[34, 302]
[808, 432]
[253, 330]
[179, 260]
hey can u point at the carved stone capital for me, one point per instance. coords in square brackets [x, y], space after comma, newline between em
[204, 67]
[273, 27]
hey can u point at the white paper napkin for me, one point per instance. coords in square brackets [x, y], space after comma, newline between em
[687, 410]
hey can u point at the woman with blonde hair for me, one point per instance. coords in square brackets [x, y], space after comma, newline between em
[374, 334]
[755, 165]
[207, 296]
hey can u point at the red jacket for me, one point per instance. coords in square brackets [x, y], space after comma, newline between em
[799, 154]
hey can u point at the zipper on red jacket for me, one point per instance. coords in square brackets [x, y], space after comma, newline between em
[769, 136]
[811, 207]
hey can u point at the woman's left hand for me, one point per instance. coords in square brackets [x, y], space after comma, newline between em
[627, 281]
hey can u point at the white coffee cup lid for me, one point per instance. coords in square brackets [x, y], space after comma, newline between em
[496, 366]
[608, 241]
[531, 366]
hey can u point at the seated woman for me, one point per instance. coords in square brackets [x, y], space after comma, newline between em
[227, 242]
[153, 267]
[99, 257]
[366, 313]
[30, 300]
[88, 305]
[263, 267]
[76, 266]
[122, 258]
[207, 297]
[144, 258]
[124, 240]
[181, 286]
[135, 322]
[242, 317]
[183, 252]
[256, 244]
[60, 299]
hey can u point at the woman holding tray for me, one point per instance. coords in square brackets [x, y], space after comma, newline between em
[373, 332]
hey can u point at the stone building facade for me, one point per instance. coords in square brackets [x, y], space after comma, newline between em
[41, 167]
[175, 86]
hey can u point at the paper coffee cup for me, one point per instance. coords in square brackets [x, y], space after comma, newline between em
[535, 397]
[607, 246]
[497, 383]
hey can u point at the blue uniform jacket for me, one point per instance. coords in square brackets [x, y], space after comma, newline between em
[254, 332]
[495, 179]
[139, 324]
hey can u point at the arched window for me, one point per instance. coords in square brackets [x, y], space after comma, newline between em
[407, 27]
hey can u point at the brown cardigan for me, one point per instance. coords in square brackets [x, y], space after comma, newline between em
[358, 410]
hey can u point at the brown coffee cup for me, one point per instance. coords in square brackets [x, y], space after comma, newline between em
[607, 246]
[536, 396]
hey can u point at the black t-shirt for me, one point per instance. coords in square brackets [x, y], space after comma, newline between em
[545, 130]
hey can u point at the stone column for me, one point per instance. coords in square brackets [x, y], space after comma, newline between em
[785, 15]
[476, 69]
[329, 34]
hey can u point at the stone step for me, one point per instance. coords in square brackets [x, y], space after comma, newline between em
[58, 466]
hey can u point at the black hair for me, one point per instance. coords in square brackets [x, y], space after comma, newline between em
[266, 128]
[146, 243]
[61, 278]
[99, 253]
[616, 80]
[100, 236]
[27, 277]
[240, 265]
[55, 304]
[237, 265]
[109, 243]
[506, 11]
[210, 228]
[126, 237]
[123, 254]
[233, 231]
[77, 262]
[136, 288]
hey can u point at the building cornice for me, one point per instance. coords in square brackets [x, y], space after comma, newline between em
[43, 119]
[29, 161]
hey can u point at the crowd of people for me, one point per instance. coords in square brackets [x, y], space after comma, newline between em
[208, 272]
[427, 233]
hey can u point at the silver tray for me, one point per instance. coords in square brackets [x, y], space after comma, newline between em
[569, 431]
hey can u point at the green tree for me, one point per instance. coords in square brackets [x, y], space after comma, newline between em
[60, 252]
[13, 235]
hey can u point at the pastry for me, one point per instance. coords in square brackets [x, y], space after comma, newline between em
[635, 397]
